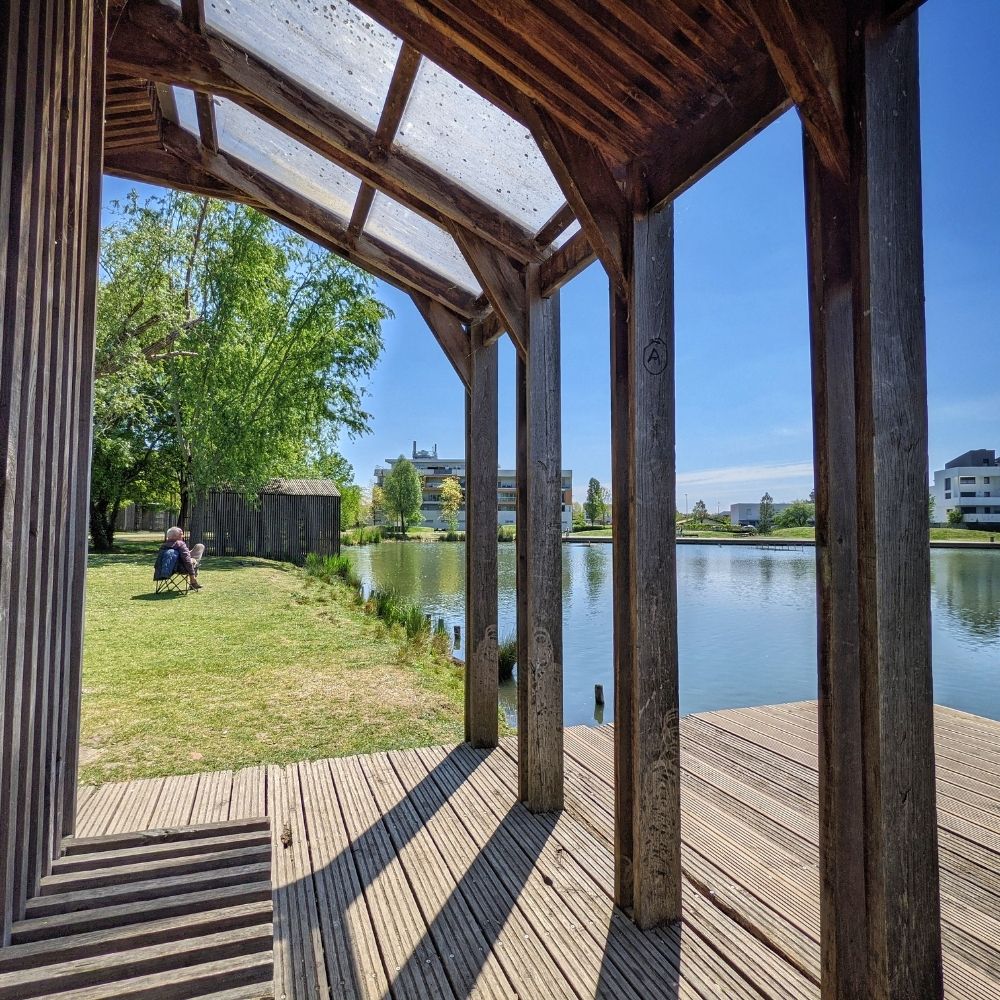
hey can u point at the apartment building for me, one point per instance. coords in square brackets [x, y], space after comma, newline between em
[971, 483]
[434, 470]
[748, 514]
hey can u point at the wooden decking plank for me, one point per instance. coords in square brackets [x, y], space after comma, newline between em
[497, 904]
[178, 868]
[114, 858]
[211, 804]
[228, 974]
[299, 969]
[99, 808]
[160, 835]
[105, 917]
[249, 793]
[138, 892]
[120, 938]
[167, 956]
[466, 953]
[350, 949]
[700, 967]
[415, 968]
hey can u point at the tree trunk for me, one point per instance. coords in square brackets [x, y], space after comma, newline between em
[102, 525]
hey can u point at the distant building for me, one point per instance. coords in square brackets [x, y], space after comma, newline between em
[748, 514]
[971, 483]
[433, 471]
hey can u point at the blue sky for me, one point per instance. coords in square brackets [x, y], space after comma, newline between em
[743, 399]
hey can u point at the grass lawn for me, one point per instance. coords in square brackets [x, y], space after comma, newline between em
[265, 664]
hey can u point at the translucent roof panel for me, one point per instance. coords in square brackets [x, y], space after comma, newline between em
[332, 48]
[567, 234]
[425, 242]
[275, 154]
[461, 135]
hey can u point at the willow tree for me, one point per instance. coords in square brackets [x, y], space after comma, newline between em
[251, 346]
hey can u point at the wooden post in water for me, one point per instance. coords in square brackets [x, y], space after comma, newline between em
[481, 674]
[543, 716]
[855, 81]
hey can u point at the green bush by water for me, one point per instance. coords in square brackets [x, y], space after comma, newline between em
[507, 656]
[361, 536]
[505, 533]
[331, 568]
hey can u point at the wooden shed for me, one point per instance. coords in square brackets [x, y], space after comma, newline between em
[786, 852]
[287, 520]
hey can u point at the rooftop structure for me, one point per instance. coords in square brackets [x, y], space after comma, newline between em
[478, 155]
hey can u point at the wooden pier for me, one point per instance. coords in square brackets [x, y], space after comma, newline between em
[418, 874]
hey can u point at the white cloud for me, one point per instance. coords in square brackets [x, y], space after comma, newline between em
[744, 483]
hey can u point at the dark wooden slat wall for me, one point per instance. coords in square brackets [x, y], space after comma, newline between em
[281, 526]
[51, 127]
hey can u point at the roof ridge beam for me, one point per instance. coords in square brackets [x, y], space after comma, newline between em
[151, 41]
[503, 283]
[371, 254]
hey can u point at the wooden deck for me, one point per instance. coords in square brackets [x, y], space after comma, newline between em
[415, 874]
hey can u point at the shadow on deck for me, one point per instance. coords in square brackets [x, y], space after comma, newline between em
[416, 874]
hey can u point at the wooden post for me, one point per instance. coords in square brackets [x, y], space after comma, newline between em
[481, 669]
[623, 640]
[521, 543]
[880, 914]
[656, 806]
[542, 760]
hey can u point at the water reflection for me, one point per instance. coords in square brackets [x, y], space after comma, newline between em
[746, 619]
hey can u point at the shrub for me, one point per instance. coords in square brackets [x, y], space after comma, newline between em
[361, 536]
[507, 656]
[956, 517]
[505, 533]
[331, 568]
[389, 608]
[452, 536]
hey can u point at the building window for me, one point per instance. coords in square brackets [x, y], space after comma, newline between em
[966, 480]
[947, 496]
[986, 480]
[967, 493]
[947, 483]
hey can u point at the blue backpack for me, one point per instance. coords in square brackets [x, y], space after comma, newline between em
[166, 564]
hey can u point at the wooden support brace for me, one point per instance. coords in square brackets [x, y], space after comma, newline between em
[451, 334]
[586, 179]
[522, 541]
[481, 646]
[502, 281]
[541, 763]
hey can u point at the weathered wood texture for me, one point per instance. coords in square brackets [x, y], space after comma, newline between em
[276, 525]
[878, 845]
[542, 722]
[652, 586]
[417, 873]
[51, 118]
[481, 671]
[522, 542]
[623, 638]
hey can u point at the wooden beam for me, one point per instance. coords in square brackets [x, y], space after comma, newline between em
[151, 41]
[880, 905]
[362, 206]
[559, 222]
[542, 721]
[481, 650]
[522, 542]
[400, 86]
[623, 638]
[193, 16]
[588, 183]
[800, 39]
[366, 251]
[153, 165]
[656, 803]
[473, 50]
[450, 333]
[501, 280]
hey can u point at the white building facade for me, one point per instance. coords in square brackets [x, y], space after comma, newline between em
[748, 514]
[433, 471]
[970, 483]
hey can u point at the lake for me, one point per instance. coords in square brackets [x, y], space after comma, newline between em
[747, 620]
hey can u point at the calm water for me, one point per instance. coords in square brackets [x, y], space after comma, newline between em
[747, 620]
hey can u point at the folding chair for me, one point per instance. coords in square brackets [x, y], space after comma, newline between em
[166, 575]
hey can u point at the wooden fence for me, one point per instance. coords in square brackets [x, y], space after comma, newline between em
[274, 526]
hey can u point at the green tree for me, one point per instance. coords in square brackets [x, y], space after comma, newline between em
[931, 504]
[765, 520]
[401, 493]
[956, 518]
[350, 506]
[797, 514]
[243, 347]
[579, 518]
[594, 507]
[699, 512]
[452, 499]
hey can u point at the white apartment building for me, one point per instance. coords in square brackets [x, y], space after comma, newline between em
[433, 471]
[748, 514]
[970, 482]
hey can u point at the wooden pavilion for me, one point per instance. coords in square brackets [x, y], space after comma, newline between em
[478, 155]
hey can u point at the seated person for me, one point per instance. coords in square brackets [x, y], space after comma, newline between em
[187, 562]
